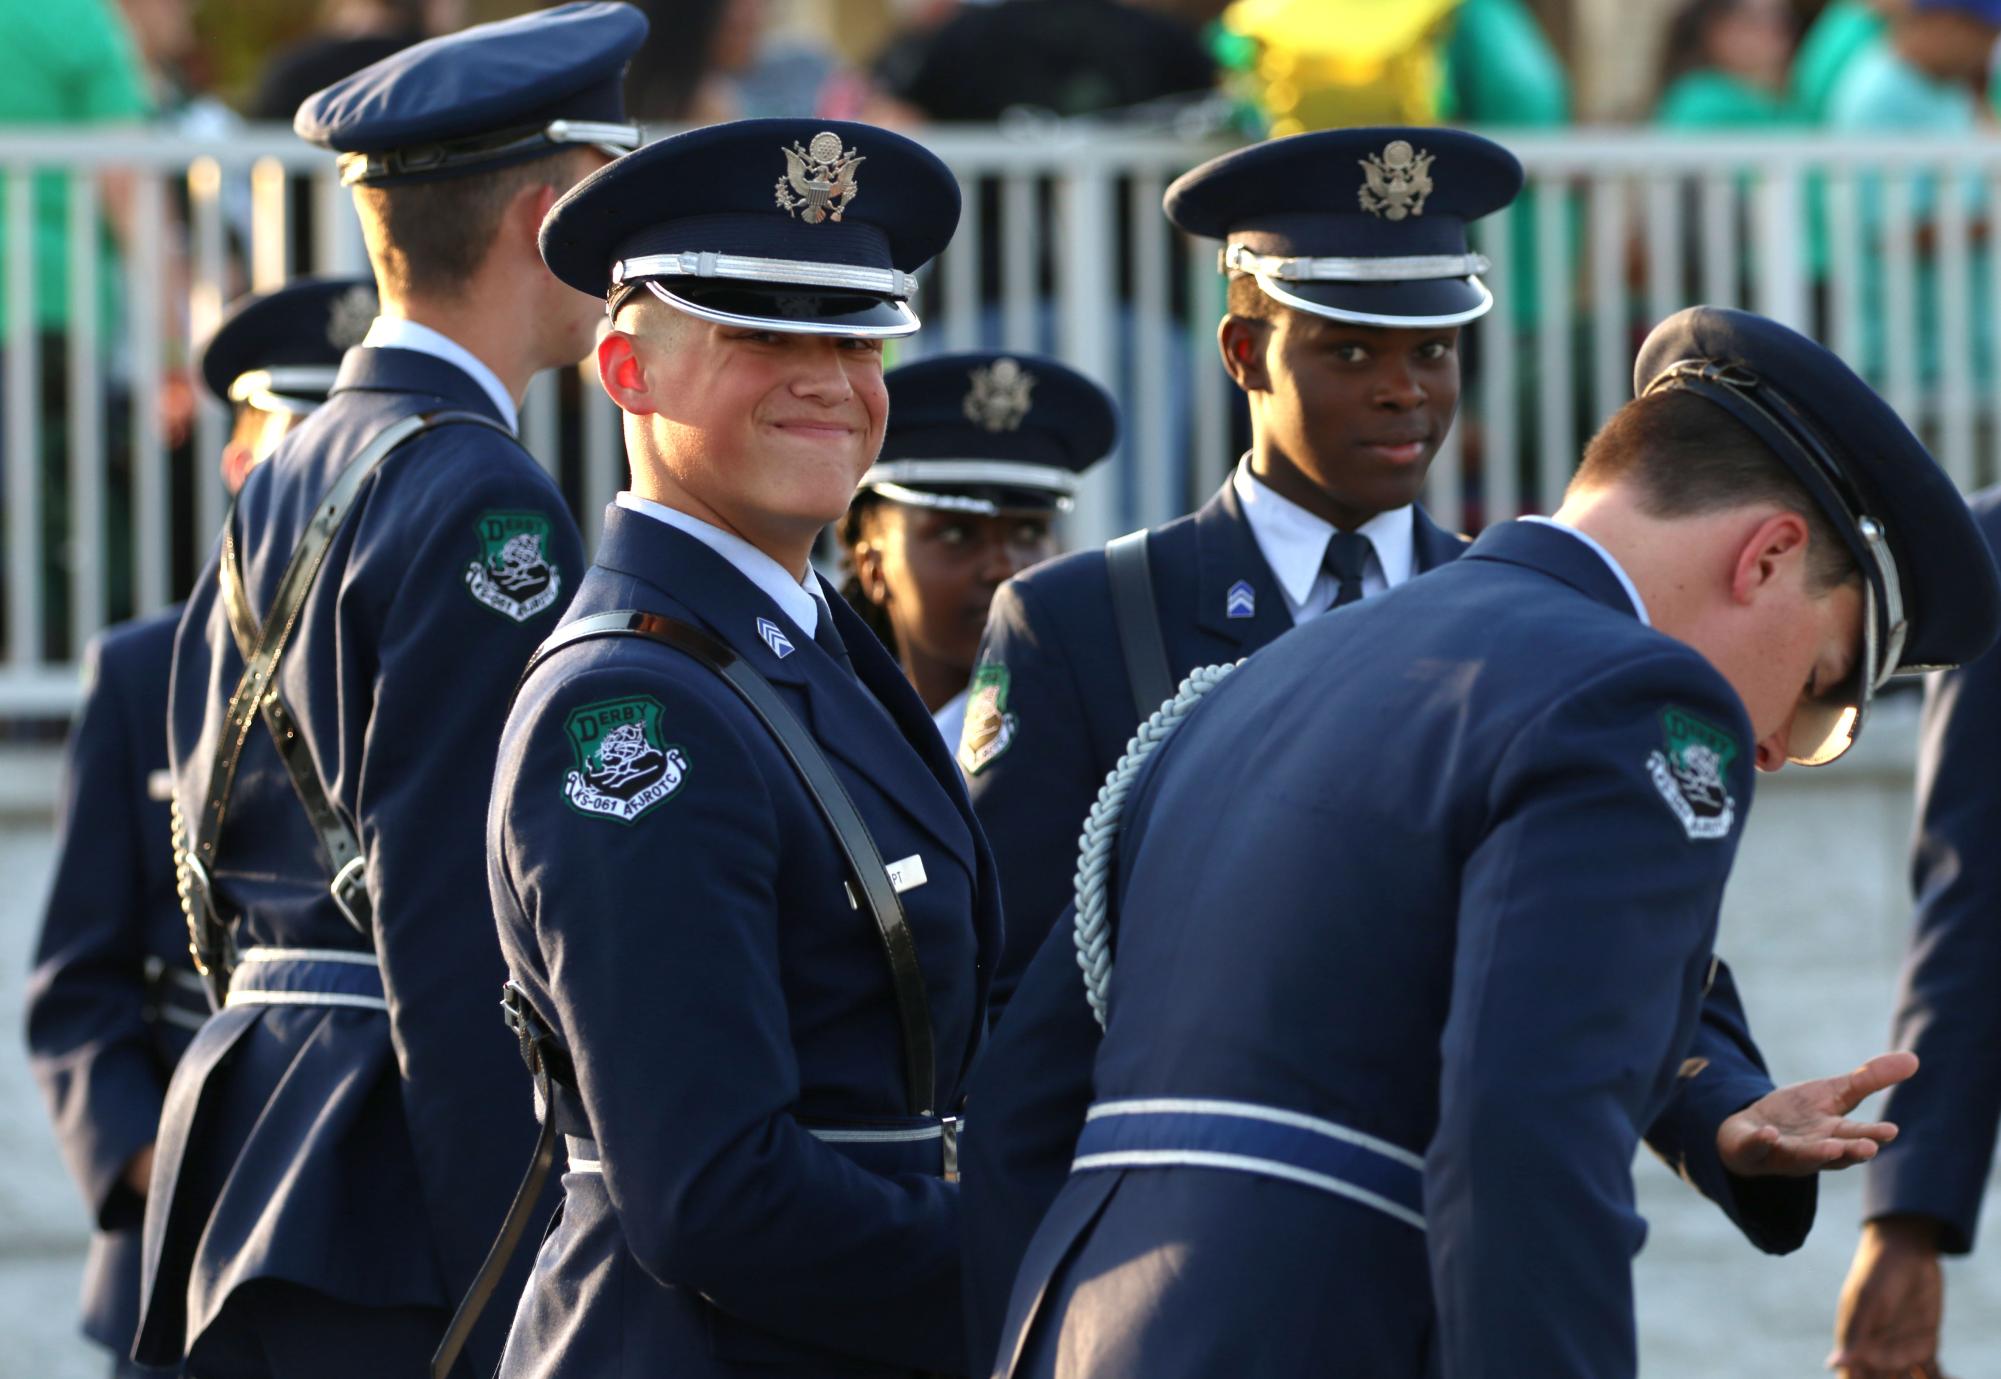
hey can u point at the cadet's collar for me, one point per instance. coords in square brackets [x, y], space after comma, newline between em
[401, 333]
[1562, 553]
[795, 597]
[1611, 562]
[1294, 540]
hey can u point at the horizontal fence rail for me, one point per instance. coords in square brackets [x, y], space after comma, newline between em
[1879, 247]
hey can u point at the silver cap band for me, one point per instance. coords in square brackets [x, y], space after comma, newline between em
[614, 139]
[1006, 473]
[888, 282]
[1240, 258]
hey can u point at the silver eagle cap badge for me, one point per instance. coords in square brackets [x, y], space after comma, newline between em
[354, 311]
[819, 179]
[1396, 181]
[1000, 396]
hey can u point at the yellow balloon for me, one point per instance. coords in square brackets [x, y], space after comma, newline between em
[1354, 30]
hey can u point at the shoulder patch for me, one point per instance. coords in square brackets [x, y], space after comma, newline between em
[1691, 771]
[623, 768]
[989, 727]
[512, 574]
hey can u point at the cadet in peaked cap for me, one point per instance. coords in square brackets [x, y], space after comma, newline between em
[983, 451]
[333, 855]
[274, 358]
[765, 1001]
[1347, 1132]
[114, 999]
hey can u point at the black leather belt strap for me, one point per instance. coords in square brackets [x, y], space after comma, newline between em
[864, 861]
[550, 1065]
[262, 648]
[1148, 670]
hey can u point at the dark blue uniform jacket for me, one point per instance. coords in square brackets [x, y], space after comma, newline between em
[1420, 870]
[763, 1202]
[1947, 1012]
[365, 1154]
[113, 998]
[1053, 629]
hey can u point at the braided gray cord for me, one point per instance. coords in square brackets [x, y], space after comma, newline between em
[1097, 845]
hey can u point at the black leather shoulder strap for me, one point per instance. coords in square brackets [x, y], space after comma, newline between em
[1148, 670]
[865, 863]
[263, 648]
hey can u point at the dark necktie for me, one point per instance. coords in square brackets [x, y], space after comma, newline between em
[1347, 553]
[830, 640]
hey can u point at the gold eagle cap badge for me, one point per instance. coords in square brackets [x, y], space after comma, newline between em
[1396, 181]
[999, 397]
[819, 179]
[354, 311]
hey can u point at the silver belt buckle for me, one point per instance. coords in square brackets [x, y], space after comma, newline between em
[949, 1147]
[349, 880]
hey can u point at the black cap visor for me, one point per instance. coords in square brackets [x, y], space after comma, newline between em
[789, 310]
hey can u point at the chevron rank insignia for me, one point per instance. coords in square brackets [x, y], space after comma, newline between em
[1241, 601]
[780, 644]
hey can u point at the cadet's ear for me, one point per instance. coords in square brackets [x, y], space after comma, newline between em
[1772, 549]
[1243, 344]
[623, 375]
[867, 558]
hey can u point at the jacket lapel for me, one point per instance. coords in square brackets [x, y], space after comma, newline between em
[1226, 556]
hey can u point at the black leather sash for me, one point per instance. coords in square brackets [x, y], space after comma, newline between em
[1148, 670]
[256, 695]
[543, 1053]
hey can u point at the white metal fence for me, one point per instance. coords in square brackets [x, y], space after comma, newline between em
[1878, 247]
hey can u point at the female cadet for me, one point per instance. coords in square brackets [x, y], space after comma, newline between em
[982, 452]
[757, 1043]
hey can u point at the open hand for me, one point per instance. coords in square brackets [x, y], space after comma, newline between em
[1805, 1128]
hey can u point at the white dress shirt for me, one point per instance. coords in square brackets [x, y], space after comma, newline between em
[400, 333]
[1625, 580]
[1293, 542]
[796, 595]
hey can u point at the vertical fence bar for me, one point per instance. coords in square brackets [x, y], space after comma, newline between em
[336, 229]
[1089, 320]
[541, 421]
[604, 456]
[270, 225]
[1720, 263]
[152, 515]
[1212, 457]
[1957, 339]
[1445, 484]
[1021, 242]
[206, 290]
[1556, 411]
[1899, 312]
[1500, 459]
[86, 418]
[1152, 417]
[1666, 292]
[1844, 265]
[24, 450]
[1611, 368]
[1781, 232]
[961, 271]
[1991, 397]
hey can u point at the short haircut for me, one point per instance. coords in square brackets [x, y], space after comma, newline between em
[431, 237]
[1249, 301]
[1687, 457]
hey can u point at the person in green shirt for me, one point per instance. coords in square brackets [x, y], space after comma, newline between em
[1726, 66]
[1842, 31]
[65, 62]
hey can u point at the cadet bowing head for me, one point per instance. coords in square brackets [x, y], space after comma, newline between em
[1350, 276]
[752, 272]
[1780, 518]
[983, 451]
[458, 146]
[274, 357]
